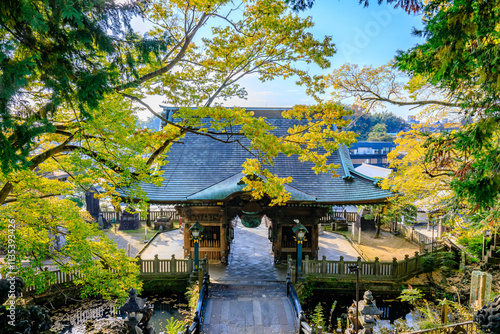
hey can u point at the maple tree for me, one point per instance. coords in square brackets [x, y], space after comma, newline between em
[72, 83]
[432, 168]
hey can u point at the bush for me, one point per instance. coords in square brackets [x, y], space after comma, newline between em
[474, 245]
[175, 326]
[318, 319]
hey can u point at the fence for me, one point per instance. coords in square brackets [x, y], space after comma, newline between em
[349, 216]
[168, 212]
[464, 327]
[171, 267]
[171, 212]
[155, 267]
[82, 316]
[394, 270]
[413, 235]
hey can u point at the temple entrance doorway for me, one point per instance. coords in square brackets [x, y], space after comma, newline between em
[251, 256]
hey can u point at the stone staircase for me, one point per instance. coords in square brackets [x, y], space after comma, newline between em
[493, 256]
[248, 307]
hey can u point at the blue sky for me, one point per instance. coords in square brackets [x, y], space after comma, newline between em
[364, 36]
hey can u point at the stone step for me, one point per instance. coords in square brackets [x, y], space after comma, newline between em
[492, 260]
[247, 290]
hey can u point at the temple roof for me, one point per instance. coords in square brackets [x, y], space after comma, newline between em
[203, 169]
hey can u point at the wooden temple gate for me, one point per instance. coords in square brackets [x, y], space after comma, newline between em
[218, 232]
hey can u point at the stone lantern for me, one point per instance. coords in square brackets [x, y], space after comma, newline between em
[133, 308]
[369, 312]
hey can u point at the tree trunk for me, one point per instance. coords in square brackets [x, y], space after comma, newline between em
[378, 222]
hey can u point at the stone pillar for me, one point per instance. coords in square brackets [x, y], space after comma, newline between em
[187, 235]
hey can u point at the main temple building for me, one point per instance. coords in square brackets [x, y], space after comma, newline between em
[203, 180]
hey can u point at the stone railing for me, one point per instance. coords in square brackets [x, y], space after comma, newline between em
[413, 235]
[378, 270]
[171, 266]
[148, 268]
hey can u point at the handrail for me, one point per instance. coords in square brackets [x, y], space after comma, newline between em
[369, 270]
[468, 326]
[304, 327]
[195, 327]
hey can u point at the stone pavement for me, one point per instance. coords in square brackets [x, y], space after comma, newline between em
[239, 308]
[165, 245]
[251, 258]
[334, 245]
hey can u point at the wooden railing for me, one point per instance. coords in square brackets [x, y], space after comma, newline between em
[195, 327]
[349, 216]
[302, 324]
[393, 270]
[468, 327]
[155, 267]
[170, 212]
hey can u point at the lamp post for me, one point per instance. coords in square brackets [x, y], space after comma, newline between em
[355, 268]
[196, 230]
[300, 232]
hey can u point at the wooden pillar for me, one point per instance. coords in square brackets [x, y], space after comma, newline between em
[223, 240]
[314, 241]
[187, 235]
[279, 237]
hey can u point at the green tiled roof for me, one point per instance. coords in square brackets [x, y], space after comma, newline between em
[203, 169]
[233, 184]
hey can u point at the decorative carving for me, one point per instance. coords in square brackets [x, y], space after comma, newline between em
[10, 286]
[488, 317]
[205, 217]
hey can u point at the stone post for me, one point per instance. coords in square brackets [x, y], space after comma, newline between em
[173, 264]
[323, 266]
[306, 265]
[341, 266]
[417, 261]
[394, 267]
[139, 263]
[407, 262]
[190, 263]
[376, 270]
[206, 263]
[156, 264]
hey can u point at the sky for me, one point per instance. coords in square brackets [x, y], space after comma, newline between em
[363, 36]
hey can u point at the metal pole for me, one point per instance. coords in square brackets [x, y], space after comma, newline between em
[297, 252]
[299, 257]
[196, 256]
